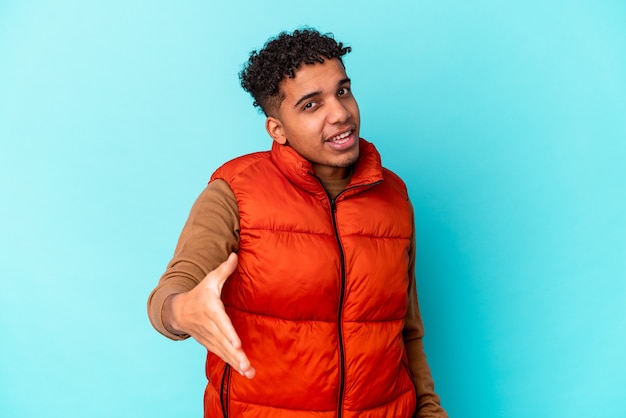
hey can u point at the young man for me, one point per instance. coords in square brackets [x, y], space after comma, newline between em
[314, 312]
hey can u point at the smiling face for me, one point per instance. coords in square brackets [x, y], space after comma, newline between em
[319, 118]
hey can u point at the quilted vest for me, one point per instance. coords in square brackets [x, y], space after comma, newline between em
[320, 293]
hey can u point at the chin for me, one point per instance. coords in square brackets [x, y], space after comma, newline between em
[348, 161]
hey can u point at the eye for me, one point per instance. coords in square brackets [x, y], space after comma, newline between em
[344, 91]
[309, 106]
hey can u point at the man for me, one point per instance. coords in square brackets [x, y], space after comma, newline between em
[316, 314]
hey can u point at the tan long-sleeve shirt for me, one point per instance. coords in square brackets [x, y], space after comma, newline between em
[211, 233]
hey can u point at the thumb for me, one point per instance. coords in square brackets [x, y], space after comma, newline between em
[223, 271]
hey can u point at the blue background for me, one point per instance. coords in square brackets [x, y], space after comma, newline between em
[506, 120]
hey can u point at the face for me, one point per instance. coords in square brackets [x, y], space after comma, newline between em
[319, 118]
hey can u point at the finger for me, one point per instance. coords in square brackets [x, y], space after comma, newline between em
[231, 343]
[225, 351]
[227, 268]
[216, 342]
[236, 357]
[250, 373]
[225, 326]
[218, 277]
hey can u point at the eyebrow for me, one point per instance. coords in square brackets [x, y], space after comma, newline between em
[315, 93]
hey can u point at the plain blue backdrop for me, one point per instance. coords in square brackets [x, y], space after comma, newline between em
[507, 120]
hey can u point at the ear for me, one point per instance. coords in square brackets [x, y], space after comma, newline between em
[275, 129]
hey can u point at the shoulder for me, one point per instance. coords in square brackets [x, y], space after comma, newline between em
[236, 166]
[393, 180]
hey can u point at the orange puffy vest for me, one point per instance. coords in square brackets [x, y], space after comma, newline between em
[320, 293]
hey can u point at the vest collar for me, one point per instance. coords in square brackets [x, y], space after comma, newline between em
[367, 170]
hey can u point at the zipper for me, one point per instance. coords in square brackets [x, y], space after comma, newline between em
[342, 292]
[342, 289]
[224, 390]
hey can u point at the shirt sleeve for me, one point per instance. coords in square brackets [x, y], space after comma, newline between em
[210, 234]
[428, 402]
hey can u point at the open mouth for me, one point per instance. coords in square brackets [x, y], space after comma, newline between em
[341, 138]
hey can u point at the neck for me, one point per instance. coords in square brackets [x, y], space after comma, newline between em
[326, 173]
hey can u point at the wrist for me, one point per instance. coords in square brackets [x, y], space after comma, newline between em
[169, 314]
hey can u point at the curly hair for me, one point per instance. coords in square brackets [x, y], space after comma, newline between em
[280, 57]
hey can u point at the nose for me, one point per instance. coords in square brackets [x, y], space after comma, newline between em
[338, 112]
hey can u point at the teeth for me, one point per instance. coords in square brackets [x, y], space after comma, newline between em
[342, 136]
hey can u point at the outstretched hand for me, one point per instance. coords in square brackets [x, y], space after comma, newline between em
[201, 314]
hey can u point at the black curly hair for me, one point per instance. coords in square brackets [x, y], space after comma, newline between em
[280, 57]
